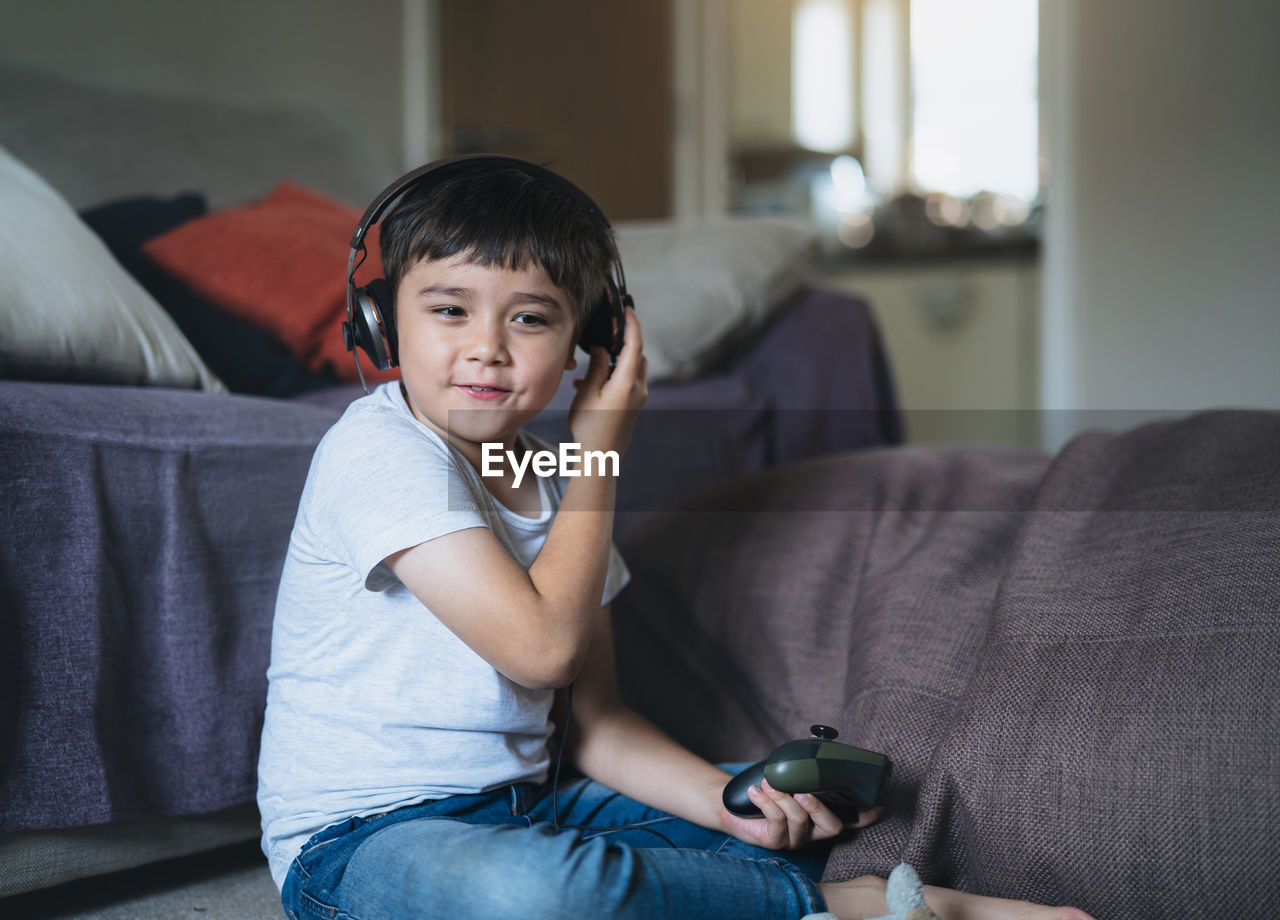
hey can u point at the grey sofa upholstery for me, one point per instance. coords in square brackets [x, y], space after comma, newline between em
[1074, 663]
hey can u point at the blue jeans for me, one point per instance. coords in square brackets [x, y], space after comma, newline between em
[497, 855]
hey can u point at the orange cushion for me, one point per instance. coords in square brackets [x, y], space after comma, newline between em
[281, 264]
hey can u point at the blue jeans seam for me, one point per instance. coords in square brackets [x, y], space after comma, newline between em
[299, 868]
[816, 901]
[316, 905]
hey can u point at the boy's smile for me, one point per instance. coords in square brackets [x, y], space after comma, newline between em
[491, 340]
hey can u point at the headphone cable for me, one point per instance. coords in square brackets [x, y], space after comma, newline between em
[555, 812]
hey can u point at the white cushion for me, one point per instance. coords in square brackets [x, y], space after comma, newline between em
[701, 287]
[68, 310]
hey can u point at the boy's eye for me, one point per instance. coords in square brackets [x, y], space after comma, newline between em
[530, 319]
[448, 311]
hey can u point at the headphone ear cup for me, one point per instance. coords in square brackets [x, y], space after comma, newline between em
[607, 321]
[375, 324]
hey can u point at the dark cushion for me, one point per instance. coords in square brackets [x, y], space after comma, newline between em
[278, 263]
[246, 358]
[1073, 664]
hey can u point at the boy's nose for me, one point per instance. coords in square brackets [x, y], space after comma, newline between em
[486, 344]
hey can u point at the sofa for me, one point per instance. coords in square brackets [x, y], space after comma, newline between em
[1073, 662]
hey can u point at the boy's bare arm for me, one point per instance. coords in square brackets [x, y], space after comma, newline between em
[618, 747]
[532, 626]
[625, 751]
[535, 626]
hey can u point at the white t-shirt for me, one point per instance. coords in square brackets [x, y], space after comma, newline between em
[372, 703]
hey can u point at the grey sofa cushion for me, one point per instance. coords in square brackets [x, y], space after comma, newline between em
[1073, 664]
[68, 310]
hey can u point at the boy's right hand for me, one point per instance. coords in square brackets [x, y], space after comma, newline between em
[604, 412]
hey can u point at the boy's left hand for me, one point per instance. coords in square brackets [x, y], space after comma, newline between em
[790, 822]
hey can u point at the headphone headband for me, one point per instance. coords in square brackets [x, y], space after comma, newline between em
[447, 168]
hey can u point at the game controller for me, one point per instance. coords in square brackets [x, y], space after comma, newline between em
[843, 777]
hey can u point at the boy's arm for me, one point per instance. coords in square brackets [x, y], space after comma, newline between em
[535, 626]
[623, 750]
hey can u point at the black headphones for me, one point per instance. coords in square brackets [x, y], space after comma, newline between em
[371, 309]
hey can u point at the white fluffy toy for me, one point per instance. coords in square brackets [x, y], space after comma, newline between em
[904, 895]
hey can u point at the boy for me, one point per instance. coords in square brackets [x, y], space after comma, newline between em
[428, 616]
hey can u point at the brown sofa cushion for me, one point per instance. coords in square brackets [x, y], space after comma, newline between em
[1073, 664]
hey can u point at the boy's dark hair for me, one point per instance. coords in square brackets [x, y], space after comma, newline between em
[507, 218]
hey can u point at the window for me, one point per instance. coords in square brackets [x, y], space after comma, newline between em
[974, 121]
[822, 108]
[932, 97]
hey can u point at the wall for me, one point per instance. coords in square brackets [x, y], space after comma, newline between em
[759, 39]
[339, 59]
[1161, 275]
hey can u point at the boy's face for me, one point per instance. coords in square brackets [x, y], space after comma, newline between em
[488, 340]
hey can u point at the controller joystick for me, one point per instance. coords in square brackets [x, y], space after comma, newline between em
[843, 777]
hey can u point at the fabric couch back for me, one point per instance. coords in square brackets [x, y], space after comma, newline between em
[1073, 663]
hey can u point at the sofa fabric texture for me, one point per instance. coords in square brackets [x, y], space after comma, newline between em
[137, 579]
[1074, 663]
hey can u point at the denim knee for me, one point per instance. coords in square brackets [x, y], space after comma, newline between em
[449, 869]
[442, 868]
